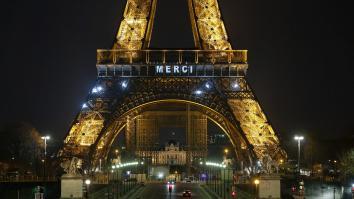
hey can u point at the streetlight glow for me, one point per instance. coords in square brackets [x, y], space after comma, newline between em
[45, 137]
[298, 137]
[87, 181]
[256, 182]
[215, 164]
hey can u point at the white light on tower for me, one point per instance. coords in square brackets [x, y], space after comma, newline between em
[84, 105]
[198, 92]
[235, 85]
[207, 85]
[124, 84]
[99, 88]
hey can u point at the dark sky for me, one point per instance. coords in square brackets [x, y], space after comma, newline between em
[301, 56]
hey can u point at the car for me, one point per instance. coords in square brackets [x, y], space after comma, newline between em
[171, 182]
[187, 193]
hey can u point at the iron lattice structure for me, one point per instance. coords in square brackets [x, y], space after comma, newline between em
[131, 77]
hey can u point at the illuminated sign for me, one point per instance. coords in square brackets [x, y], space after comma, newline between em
[173, 69]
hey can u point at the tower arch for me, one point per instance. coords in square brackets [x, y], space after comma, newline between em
[241, 147]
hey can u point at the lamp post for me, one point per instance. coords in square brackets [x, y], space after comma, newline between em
[45, 138]
[226, 151]
[116, 151]
[87, 182]
[256, 182]
[298, 139]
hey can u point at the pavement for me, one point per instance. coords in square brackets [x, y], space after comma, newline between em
[160, 191]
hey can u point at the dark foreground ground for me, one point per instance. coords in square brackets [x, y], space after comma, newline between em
[25, 190]
[160, 191]
[314, 190]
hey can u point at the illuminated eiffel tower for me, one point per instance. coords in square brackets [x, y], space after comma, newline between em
[132, 77]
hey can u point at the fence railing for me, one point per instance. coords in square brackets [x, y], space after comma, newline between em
[26, 178]
[116, 56]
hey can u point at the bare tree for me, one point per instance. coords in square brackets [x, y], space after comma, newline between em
[21, 144]
[346, 161]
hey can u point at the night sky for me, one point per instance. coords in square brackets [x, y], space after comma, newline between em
[301, 58]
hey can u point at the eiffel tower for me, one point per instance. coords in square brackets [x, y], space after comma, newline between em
[131, 77]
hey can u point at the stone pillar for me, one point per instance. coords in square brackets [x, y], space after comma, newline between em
[269, 187]
[71, 187]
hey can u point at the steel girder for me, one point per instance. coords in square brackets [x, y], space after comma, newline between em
[135, 29]
[234, 108]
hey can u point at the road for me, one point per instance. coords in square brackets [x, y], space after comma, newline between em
[160, 191]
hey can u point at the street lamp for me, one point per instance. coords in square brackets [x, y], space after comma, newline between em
[226, 151]
[87, 182]
[116, 151]
[298, 138]
[45, 138]
[256, 182]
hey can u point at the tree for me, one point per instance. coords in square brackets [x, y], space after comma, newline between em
[20, 144]
[346, 161]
